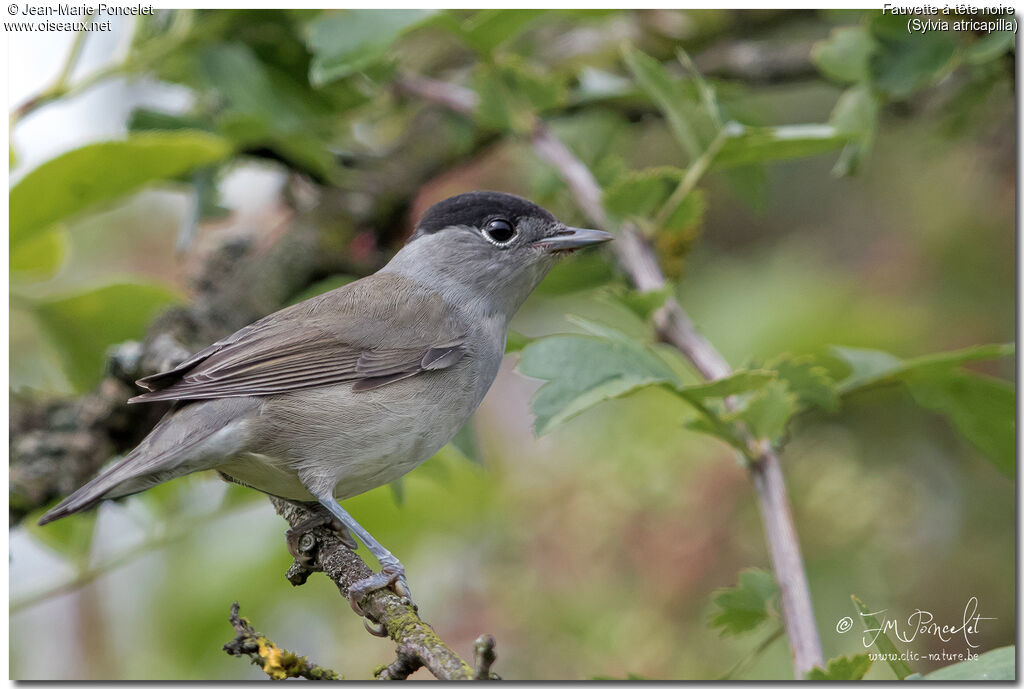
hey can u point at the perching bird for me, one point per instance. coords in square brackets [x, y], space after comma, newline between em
[349, 390]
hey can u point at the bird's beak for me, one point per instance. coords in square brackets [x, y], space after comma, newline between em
[572, 238]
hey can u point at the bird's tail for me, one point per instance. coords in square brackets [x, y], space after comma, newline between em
[88, 495]
[185, 441]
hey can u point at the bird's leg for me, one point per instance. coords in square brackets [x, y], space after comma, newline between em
[321, 517]
[392, 573]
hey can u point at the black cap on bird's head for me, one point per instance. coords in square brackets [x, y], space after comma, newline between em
[505, 221]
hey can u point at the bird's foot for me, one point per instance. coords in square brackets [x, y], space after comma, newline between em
[302, 544]
[392, 576]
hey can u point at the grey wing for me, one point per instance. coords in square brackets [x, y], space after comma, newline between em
[323, 341]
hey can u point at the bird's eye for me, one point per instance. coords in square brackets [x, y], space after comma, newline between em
[500, 232]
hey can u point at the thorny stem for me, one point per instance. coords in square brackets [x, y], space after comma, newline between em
[638, 259]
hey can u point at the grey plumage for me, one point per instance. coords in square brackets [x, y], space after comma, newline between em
[351, 389]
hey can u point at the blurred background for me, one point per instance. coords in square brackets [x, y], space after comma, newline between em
[593, 551]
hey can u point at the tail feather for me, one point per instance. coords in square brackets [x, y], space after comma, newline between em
[85, 497]
[185, 441]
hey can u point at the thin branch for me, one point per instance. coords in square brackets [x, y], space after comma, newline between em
[637, 258]
[399, 621]
[484, 657]
[276, 662]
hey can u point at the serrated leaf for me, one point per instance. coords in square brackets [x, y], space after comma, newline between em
[808, 380]
[998, 665]
[846, 54]
[85, 177]
[640, 193]
[581, 371]
[744, 607]
[83, 325]
[349, 41]
[766, 413]
[841, 669]
[767, 144]
[737, 383]
[643, 304]
[982, 409]
[717, 428]
[687, 215]
[883, 644]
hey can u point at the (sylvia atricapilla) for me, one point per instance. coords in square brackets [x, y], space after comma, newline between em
[349, 390]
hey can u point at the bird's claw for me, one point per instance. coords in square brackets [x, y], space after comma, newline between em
[375, 628]
[392, 576]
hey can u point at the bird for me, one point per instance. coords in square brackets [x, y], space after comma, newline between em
[353, 388]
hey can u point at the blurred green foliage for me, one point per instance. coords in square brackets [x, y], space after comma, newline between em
[606, 560]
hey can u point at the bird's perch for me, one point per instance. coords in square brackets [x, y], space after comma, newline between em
[639, 261]
[418, 645]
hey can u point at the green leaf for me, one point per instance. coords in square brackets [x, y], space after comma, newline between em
[905, 62]
[486, 30]
[581, 371]
[691, 124]
[638, 194]
[989, 47]
[348, 41]
[765, 144]
[687, 215]
[743, 608]
[842, 668]
[883, 644]
[872, 366]
[511, 92]
[981, 408]
[643, 304]
[80, 179]
[997, 665]
[82, 326]
[515, 341]
[767, 412]
[808, 380]
[846, 54]
[855, 114]
[39, 257]
[737, 383]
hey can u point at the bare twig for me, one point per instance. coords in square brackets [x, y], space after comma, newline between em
[484, 657]
[638, 259]
[273, 660]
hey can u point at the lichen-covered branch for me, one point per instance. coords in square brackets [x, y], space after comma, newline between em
[276, 662]
[637, 258]
[418, 643]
